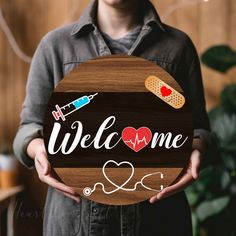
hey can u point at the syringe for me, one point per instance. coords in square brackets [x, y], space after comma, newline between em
[71, 107]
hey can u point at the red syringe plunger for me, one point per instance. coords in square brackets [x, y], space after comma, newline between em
[57, 114]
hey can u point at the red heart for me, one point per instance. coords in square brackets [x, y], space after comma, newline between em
[136, 139]
[165, 91]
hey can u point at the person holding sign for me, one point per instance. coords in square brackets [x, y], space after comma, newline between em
[112, 27]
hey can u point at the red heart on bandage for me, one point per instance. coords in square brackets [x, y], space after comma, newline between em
[165, 91]
[136, 139]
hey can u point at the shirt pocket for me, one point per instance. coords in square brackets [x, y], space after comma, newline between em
[167, 65]
[62, 215]
[72, 63]
[70, 66]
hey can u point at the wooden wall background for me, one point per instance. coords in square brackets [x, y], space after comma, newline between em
[207, 23]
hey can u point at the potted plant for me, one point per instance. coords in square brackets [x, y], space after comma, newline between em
[213, 196]
[8, 167]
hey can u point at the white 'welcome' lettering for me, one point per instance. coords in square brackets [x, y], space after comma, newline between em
[159, 139]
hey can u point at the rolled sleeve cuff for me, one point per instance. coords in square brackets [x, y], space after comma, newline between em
[209, 138]
[205, 135]
[24, 136]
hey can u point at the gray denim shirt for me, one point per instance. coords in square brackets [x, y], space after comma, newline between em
[58, 53]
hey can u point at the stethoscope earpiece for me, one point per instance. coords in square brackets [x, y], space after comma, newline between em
[87, 191]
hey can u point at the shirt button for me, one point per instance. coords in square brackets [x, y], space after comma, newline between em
[95, 210]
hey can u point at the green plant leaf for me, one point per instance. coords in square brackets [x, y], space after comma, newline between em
[228, 161]
[192, 196]
[225, 180]
[194, 224]
[228, 98]
[220, 58]
[212, 181]
[210, 208]
[223, 125]
[233, 189]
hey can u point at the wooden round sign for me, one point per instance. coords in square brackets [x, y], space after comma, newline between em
[118, 129]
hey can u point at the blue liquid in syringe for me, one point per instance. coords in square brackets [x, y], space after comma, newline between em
[75, 105]
[81, 102]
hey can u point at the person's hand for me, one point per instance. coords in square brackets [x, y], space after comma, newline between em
[46, 173]
[188, 175]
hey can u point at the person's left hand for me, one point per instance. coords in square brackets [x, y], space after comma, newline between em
[188, 175]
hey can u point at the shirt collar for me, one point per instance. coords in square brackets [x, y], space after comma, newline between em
[151, 16]
[89, 17]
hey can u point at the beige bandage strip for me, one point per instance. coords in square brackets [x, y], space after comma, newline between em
[164, 92]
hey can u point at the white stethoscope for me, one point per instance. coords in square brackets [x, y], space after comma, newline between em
[87, 191]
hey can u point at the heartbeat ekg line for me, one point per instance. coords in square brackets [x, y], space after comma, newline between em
[137, 141]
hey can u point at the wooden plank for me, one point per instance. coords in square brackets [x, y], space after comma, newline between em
[231, 36]
[6, 93]
[56, 13]
[2, 76]
[10, 192]
[133, 83]
[76, 9]
[213, 31]
[10, 60]
[14, 80]
[2, 82]
[232, 23]
[73, 176]
[7, 194]
[187, 20]
[28, 18]
[163, 8]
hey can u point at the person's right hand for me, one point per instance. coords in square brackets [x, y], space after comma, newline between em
[46, 173]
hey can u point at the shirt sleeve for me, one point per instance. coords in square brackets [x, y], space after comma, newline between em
[195, 92]
[191, 70]
[38, 90]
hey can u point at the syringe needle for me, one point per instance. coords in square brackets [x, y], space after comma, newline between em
[92, 96]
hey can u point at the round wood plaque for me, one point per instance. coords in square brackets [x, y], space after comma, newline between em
[118, 129]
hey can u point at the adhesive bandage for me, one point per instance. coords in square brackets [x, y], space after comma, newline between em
[164, 92]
